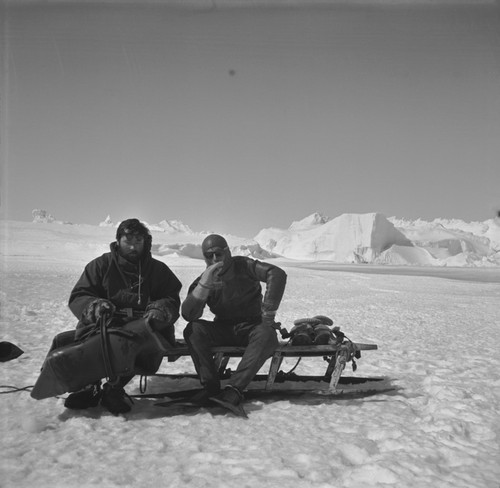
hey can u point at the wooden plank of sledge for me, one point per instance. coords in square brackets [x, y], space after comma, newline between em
[337, 356]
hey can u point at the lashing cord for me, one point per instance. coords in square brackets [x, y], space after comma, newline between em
[14, 389]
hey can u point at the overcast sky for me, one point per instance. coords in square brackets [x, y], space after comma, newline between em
[233, 120]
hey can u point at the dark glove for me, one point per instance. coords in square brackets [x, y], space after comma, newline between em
[268, 319]
[159, 310]
[96, 309]
[157, 314]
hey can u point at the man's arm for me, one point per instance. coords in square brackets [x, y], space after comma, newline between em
[165, 303]
[199, 291]
[275, 280]
[87, 289]
[194, 303]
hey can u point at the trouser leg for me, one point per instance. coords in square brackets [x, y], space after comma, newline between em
[262, 342]
[199, 338]
[120, 381]
[63, 339]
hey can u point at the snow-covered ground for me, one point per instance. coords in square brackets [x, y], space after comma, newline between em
[438, 344]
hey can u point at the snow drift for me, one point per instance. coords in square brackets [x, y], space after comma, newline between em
[350, 238]
[369, 238]
[171, 238]
[372, 238]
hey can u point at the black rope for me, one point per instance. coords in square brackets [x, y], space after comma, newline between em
[103, 322]
[14, 389]
[296, 364]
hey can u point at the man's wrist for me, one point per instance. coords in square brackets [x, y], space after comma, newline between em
[268, 318]
[269, 314]
[201, 292]
[207, 287]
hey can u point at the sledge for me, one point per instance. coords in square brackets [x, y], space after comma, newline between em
[184, 404]
[138, 347]
[337, 356]
[331, 384]
[337, 353]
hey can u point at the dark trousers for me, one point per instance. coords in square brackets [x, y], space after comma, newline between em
[260, 341]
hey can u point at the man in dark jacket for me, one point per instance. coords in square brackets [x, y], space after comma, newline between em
[231, 287]
[127, 282]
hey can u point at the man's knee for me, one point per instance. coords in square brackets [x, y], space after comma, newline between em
[264, 334]
[63, 339]
[195, 330]
[188, 330]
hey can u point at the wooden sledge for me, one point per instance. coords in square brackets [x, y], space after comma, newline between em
[336, 356]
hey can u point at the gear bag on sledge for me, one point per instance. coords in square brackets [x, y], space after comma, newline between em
[114, 349]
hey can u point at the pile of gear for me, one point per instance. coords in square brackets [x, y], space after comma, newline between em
[315, 331]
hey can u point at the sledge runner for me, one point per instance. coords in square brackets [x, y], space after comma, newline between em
[231, 288]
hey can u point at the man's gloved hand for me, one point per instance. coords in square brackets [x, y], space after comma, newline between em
[209, 278]
[157, 313]
[268, 319]
[96, 309]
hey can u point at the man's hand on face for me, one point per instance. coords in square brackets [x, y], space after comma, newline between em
[210, 277]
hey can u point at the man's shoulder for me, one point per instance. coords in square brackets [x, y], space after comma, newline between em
[243, 260]
[160, 266]
[103, 258]
[243, 264]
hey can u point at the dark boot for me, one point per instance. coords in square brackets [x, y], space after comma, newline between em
[231, 398]
[86, 398]
[203, 397]
[114, 399]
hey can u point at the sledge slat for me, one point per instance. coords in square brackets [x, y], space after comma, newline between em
[283, 349]
[273, 369]
[339, 365]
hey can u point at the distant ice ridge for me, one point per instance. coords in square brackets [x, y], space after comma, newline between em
[372, 238]
[173, 226]
[489, 229]
[170, 226]
[44, 217]
[349, 238]
[192, 250]
[107, 222]
[309, 222]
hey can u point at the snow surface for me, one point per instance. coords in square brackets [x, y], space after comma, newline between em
[437, 333]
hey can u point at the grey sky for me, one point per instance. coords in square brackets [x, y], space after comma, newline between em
[238, 119]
